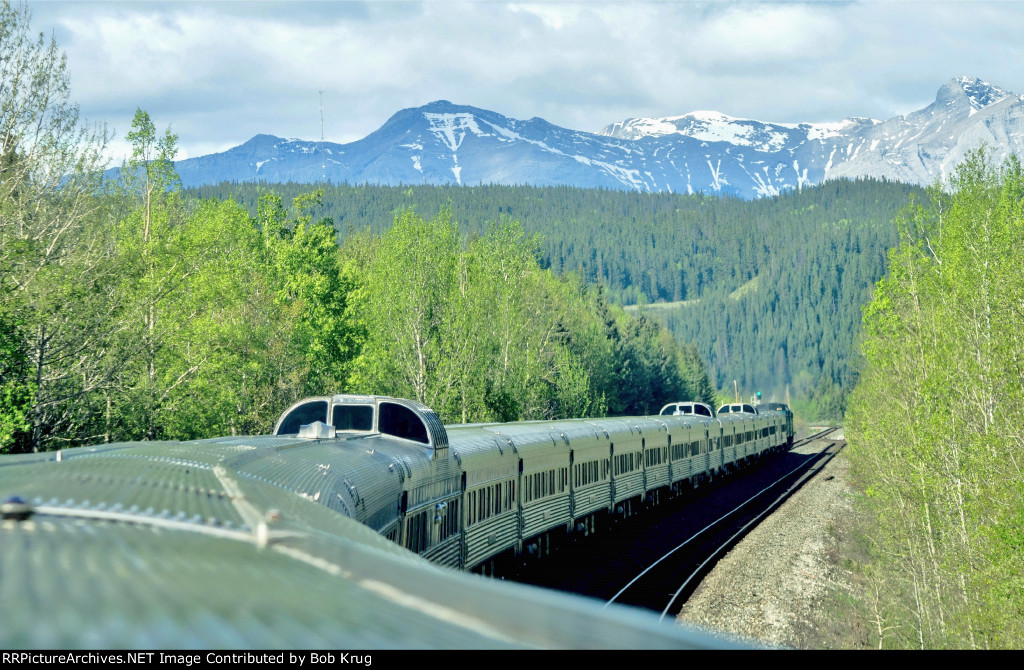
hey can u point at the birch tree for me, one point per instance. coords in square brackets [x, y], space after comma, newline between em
[53, 251]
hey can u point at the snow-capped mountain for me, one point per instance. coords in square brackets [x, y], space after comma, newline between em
[707, 152]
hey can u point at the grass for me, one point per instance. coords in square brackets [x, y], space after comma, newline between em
[662, 305]
[749, 287]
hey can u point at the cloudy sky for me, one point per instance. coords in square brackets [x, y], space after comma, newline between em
[221, 72]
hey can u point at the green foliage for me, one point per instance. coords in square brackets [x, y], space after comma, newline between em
[135, 311]
[807, 261]
[51, 240]
[17, 391]
[934, 424]
[479, 331]
[312, 293]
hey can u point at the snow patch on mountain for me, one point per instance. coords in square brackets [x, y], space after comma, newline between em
[452, 127]
[445, 143]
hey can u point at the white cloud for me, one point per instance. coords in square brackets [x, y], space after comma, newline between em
[222, 72]
[766, 34]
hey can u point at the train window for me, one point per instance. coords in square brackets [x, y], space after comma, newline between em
[418, 537]
[353, 417]
[702, 410]
[450, 521]
[307, 412]
[401, 421]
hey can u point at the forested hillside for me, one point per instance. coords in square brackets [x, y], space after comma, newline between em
[806, 262]
[132, 310]
[934, 425]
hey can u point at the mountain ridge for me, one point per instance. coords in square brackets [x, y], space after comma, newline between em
[702, 151]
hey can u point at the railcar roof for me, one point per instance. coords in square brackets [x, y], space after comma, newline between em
[238, 562]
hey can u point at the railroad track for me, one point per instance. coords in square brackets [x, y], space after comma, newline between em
[658, 586]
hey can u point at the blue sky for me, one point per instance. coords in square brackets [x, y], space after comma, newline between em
[221, 72]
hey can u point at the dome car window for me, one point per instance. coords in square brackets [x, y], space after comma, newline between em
[401, 422]
[306, 413]
[353, 417]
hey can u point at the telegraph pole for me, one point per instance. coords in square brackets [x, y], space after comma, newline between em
[323, 161]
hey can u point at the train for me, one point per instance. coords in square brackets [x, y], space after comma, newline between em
[472, 496]
[303, 538]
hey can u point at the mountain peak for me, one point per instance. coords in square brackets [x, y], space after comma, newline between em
[443, 142]
[975, 92]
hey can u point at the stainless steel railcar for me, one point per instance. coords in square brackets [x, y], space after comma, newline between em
[463, 495]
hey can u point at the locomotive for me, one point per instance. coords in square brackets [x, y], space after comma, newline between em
[466, 495]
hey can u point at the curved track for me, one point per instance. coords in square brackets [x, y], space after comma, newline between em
[647, 589]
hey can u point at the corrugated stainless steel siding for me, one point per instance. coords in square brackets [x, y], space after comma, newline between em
[591, 498]
[491, 537]
[447, 553]
[545, 514]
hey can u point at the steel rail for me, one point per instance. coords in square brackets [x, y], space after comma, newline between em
[757, 518]
[806, 440]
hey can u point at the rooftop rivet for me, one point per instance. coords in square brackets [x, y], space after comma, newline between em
[15, 508]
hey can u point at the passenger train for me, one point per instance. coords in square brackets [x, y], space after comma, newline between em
[465, 496]
[293, 539]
